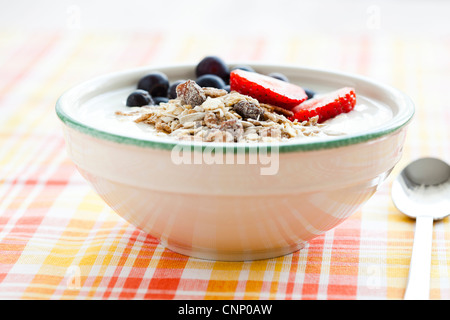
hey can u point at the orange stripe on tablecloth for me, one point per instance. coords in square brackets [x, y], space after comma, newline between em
[344, 260]
[10, 251]
[292, 275]
[121, 263]
[166, 278]
[140, 265]
[36, 54]
[35, 182]
[313, 268]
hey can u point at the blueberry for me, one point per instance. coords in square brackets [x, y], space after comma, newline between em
[139, 98]
[213, 65]
[158, 100]
[244, 67]
[279, 76]
[227, 88]
[210, 80]
[309, 93]
[156, 83]
[173, 89]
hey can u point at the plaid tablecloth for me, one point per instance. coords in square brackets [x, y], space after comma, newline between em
[58, 239]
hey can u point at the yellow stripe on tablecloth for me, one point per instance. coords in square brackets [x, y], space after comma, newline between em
[255, 279]
[223, 280]
[278, 267]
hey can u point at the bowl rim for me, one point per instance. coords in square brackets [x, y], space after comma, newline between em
[401, 119]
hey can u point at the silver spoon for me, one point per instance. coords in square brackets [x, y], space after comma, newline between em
[422, 191]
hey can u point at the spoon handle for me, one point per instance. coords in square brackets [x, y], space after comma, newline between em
[418, 287]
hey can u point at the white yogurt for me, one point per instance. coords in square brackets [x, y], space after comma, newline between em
[363, 117]
[100, 113]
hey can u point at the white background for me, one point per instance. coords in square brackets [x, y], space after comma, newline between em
[232, 16]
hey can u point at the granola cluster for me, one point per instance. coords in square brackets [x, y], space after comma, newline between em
[214, 115]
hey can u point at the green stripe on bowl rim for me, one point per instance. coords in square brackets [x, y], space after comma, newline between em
[399, 120]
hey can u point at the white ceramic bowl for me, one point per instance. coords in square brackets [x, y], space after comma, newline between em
[235, 211]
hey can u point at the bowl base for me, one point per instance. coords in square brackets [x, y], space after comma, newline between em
[208, 254]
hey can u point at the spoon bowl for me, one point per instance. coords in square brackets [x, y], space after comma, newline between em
[422, 191]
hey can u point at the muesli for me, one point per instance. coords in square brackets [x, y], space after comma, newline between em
[214, 115]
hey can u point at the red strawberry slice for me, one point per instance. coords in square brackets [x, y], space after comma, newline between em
[266, 89]
[327, 106]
